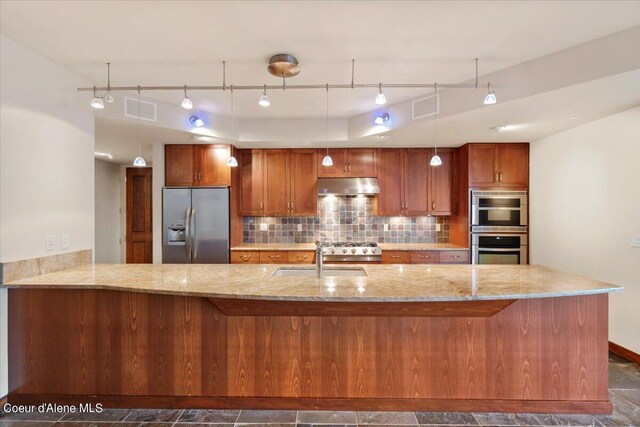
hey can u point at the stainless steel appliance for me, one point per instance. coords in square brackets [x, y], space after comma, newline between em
[195, 225]
[498, 248]
[499, 211]
[347, 186]
[350, 252]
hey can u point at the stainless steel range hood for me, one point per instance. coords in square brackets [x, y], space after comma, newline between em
[347, 186]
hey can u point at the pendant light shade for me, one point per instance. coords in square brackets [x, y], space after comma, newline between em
[380, 98]
[232, 162]
[435, 160]
[96, 102]
[139, 161]
[187, 104]
[490, 99]
[327, 161]
[264, 99]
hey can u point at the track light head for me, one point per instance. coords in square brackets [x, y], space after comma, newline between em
[97, 103]
[232, 162]
[327, 161]
[435, 161]
[196, 121]
[139, 162]
[264, 101]
[187, 104]
[380, 98]
[490, 99]
[382, 119]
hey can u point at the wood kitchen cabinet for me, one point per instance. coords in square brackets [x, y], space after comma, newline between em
[197, 165]
[278, 182]
[409, 186]
[348, 162]
[499, 165]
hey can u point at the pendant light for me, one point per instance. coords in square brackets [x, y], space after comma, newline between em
[380, 98]
[108, 97]
[436, 160]
[232, 162]
[327, 161]
[264, 99]
[139, 161]
[490, 99]
[187, 104]
[96, 102]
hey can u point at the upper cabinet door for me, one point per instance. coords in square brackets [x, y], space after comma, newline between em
[390, 174]
[214, 169]
[513, 165]
[303, 175]
[482, 167]
[179, 165]
[441, 178]
[361, 162]
[276, 183]
[339, 168]
[416, 181]
[251, 182]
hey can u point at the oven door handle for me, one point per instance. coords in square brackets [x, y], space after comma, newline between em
[500, 249]
[499, 209]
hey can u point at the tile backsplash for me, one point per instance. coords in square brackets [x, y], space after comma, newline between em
[347, 218]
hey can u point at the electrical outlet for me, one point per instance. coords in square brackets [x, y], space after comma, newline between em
[437, 227]
[66, 241]
[299, 227]
[387, 227]
[264, 226]
[635, 241]
[50, 242]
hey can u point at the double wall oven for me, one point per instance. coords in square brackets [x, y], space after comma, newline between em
[499, 227]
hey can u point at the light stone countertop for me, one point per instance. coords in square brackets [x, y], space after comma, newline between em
[312, 247]
[383, 282]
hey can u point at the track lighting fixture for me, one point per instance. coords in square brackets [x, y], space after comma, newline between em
[380, 98]
[108, 97]
[435, 160]
[139, 161]
[232, 162]
[381, 119]
[490, 99]
[327, 161]
[264, 99]
[96, 102]
[186, 102]
[196, 121]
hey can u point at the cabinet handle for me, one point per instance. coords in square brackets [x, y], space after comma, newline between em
[288, 206]
[433, 205]
[301, 257]
[455, 256]
[500, 176]
[292, 206]
[395, 256]
[349, 167]
[424, 256]
[495, 178]
[344, 168]
[274, 256]
[195, 176]
[245, 258]
[261, 206]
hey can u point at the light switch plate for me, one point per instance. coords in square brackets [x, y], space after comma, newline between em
[635, 241]
[387, 227]
[299, 227]
[50, 242]
[66, 241]
[437, 227]
[264, 226]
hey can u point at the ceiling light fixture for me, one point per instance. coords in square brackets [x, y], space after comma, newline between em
[232, 162]
[380, 98]
[382, 119]
[264, 99]
[435, 160]
[490, 99]
[327, 161]
[187, 104]
[139, 161]
[108, 97]
[196, 121]
[283, 65]
[101, 154]
[96, 102]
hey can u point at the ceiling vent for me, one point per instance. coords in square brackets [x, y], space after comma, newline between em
[148, 110]
[426, 107]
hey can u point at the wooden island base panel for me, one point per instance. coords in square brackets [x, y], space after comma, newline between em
[137, 349]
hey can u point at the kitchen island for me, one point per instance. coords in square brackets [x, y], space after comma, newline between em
[399, 337]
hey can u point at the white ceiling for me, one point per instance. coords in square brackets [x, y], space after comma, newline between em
[163, 42]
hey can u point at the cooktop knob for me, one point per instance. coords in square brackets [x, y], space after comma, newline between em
[353, 251]
[365, 250]
[333, 251]
[324, 251]
[344, 251]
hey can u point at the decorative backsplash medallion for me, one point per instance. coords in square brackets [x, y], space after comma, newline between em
[347, 218]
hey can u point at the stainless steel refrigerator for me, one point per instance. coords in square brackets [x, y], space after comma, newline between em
[195, 225]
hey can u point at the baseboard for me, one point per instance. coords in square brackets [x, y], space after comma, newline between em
[333, 404]
[624, 352]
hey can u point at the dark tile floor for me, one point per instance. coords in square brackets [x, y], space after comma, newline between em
[624, 391]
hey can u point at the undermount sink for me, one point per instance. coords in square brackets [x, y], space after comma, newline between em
[327, 272]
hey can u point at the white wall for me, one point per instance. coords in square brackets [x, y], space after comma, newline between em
[46, 162]
[585, 207]
[107, 207]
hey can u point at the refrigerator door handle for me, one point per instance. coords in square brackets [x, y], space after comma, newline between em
[193, 226]
[187, 233]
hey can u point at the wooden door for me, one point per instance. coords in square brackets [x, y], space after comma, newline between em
[213, 165]
[441, 184]
[416, 181]
[361, 162]
[303, 175]
[513, 165]
[482, 167]
[339, 168]
[390, 173]
[179, 165]
[276, 188]
[139, 235]
[251, 182]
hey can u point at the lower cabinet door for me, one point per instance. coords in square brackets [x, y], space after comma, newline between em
[301, 257]
[245, 257]
[274, 257]
[425, 257]
[396, 257]
[454, 257]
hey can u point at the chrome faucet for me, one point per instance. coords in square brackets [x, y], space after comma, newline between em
[319, 259]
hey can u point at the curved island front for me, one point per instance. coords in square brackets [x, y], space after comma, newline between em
[374, 337]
